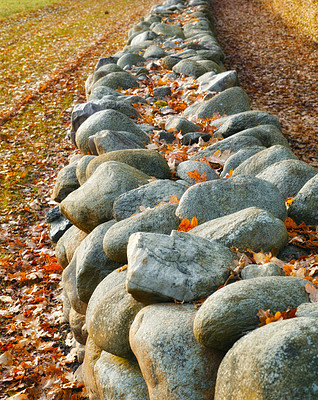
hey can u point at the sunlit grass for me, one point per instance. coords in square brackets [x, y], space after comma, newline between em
[9, 7]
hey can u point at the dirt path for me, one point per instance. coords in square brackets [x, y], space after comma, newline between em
[277, 68]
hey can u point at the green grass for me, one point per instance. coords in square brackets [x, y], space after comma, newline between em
[9, 7]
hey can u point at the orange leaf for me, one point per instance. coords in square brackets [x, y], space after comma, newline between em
[313, 293]
[186, 225]
[197, 177]
[174, 199]
[229, 174]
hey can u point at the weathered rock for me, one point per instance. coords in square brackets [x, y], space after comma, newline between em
[130, 59]
[173, 364]
[240, 156]
[149, 195]
[194, 137]
[67, 244]
[309, 310]
[161, 219]
[58, 224]
[243, 120]
[250, 228]
[105, 70]
[115, 80]
[119, 379]
[231, 101]
[141, 37]
[168, 30]
[81, 168]
[107, 141]
[92, 354]
[189, 166]
[289, 176]
[66, 181]
[92, 203]
[258, 271]
[169, 61]
[149, 162]
[214, 199]
[69, 285]
[218, 82]
[189, 68]
[181, 124]
[110, 313]
[99, 92]
[92, 264]
[220, 321]
[106, 120]
[276, 361]
[77, 322]
[304, 208]
[260, 161]
[105, 61]
[154, 52]
[180, 266]
[161, 92]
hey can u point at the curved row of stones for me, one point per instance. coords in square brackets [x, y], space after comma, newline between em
[131, 278]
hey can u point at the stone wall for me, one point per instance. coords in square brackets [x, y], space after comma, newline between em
[176, 176]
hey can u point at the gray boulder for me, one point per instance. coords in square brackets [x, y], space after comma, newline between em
[163, 29]
[146, 196]
[220, 321]
[189, 166]
[309, 310]
[277, 361]
[289, 176]
[260, 161]
[169, 61]
[58, 224]
[119, 379]
[180, 266]
[250, 228]
[258, 271]
[231, 101]
[106, 120]
[81, 168]
[189, 68]
[98, 92]
[174, 365]
[69, 285]
[92, 354]
[67, 244]
[181, 124]
[130, 59]
[141, 37]
[65, 183]
[161, 219]
[92, 203]
[149, 162]
[77, 322]
[117, 80]
[107, 141]
[243, 120]
[154, 52]
[304, 208]
[218, 82]
[92, 264]
[240, 156]
[110, 313]
[214, 199]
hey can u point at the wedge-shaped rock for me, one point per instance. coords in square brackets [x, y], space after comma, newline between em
[217, 198]
[180, 266]
[69, 286]
[257, 271]
[119, 379]
[168, 30]
[240, 156]
[218, 82]
[181, 124]
[116, 80]
[289, 176]
[231, 312]
[277, 361]
[230, 101]
[238, 122]
[161, 219]
[185, 169]
[106, 120]
[66, 181]
[110, 313]
[251, 228]
[304, 208]
[189, 68]
[173, 364]
[260, 161]
[92, 203]
[81, 168]
[148, 161]
[92, 264]
[67, 244]
[107, 141]
[145, 196]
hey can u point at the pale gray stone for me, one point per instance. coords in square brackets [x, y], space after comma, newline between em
[65, 182]
[81, 168]
[189, 68]
[92, 264]
[309, 310]
[108, 141]
[181, 124]
[141, 37]
[257, 163]
[214, 199]
[175, 366]
[185, 167]
[149, 162]
[231, 101]
[161, 219]
[149, 195]
[218, 82]
[92, 203]
[69, 285]
[97, 93]
[289, 176]
[169, 61]
[67, 244]
[250, 228]
[115, 80]
[77, 322]
[240, 156]
[119, 379]
[180, 266]
[277, 361]
[304, 208]
[154, 52]
[110, 313]
[168, 30]
[211, 66]
[130, 59]
[258, 271]
[92, 354]
[220, 321]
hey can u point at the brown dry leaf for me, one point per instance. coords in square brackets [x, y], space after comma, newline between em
[313, 292]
